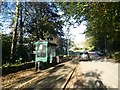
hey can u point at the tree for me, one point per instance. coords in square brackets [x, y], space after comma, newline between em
[14, 37]
[43, 21]
[101, 18]
[6, 44]
[39, 20]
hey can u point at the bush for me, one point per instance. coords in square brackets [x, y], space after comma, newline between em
[116, 56]
[7, 68]
[6, 46]
[23, 53]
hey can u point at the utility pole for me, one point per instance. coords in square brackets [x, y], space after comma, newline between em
[68, 41]
[106, 43]
[68, 47]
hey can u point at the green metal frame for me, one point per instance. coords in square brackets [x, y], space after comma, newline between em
[50, 51]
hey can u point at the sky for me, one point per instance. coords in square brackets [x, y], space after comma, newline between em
[77, 32]
[6, 17]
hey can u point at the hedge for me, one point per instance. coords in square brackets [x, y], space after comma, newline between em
[115, 56]
[16, 67]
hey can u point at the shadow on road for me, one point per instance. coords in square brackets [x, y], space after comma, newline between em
[55, 81]
[62, 65]
[57, 67]
[90, 81]
[62, 61]
[75, 61]
[94, 74]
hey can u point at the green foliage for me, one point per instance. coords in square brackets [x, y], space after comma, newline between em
[23, 53]
[116, 56]
[6, 45]
[11, 68]
[39, 20]
[103, 23]
[62, 48]
[43, 21]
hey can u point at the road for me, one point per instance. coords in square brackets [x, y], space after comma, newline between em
[88, 74]
[96, 74]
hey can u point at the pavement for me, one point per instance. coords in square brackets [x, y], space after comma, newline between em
[96, 74]
[57, 77]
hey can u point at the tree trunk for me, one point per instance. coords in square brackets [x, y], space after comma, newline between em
[14, 37]
[21, 25]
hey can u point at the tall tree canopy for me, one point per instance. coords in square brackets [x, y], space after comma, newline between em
[103, 21]
[32, 20]
[41, 20]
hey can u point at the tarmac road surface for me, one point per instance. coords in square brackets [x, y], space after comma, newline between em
[96, 74]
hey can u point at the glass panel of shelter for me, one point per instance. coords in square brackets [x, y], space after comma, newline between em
[41, 50]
